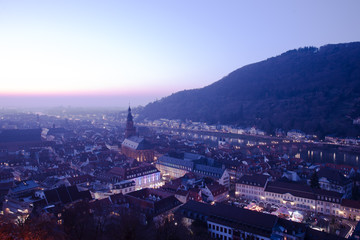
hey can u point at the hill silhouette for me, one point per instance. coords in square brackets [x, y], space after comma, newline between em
[316, 90]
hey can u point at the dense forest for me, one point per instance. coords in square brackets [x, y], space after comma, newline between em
[316, 90]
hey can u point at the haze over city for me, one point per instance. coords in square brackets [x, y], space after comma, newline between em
[107, 54]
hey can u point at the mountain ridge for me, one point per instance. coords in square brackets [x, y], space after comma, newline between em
[316, 90]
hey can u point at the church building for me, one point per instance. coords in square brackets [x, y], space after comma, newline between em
[134, 146]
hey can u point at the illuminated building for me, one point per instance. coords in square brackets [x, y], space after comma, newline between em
[177, 165]
[144, 176]
[137, 148]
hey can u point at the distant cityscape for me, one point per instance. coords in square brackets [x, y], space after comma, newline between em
[294, 135]
[87, 175]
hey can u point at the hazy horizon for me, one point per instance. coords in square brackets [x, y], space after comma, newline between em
[92, 54]
[86, 101]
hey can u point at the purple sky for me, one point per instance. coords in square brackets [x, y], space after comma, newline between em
[107, 53]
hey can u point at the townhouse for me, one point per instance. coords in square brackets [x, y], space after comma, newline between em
[227, 222]
[176, 165]
[144, 176]
[296, 196]
[251, 187]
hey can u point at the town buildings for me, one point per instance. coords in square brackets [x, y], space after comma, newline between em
[333, 180]
[296, 134]
[252, 187]
[85, 156]
[12, 140]
[152, 201]
[298, 196]
[144, 176]
[231, 223]
[176, 165]
[138, 148]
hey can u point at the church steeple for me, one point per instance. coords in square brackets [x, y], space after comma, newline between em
[130, 129]
[129, 116]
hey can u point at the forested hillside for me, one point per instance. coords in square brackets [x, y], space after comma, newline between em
[316, 90]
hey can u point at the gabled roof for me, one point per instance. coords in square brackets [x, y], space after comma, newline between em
[193, 162]
[157, 200]
[140, 171]
[181, 192]
[173, 185]
[24, 186]
[80, 179]
[302, 190]
[65, 195]
[215, 172]
[130, 173]
[194, 194]
[171, 161]
[333, 176]
[136, 143]
[117, 198]
[117, 171]
[216, 189]
[254, 180]
[52, 196]
[166, 204]
[233, 216]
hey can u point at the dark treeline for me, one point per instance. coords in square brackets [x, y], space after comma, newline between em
[82, 223]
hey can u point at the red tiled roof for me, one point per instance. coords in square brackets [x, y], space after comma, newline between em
[216, 189]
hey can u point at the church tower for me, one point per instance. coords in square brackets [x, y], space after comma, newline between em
[130, 129]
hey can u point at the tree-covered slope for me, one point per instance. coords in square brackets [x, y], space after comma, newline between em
[315, 90]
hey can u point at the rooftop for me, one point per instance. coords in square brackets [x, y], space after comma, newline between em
[231, 215]
[255, 180]
[136, 143]
[24, 186]
[20, 135]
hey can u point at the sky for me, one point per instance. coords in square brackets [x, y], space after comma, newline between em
[112, 53]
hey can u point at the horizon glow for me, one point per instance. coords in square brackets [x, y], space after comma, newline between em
[147, 50]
